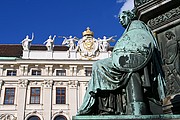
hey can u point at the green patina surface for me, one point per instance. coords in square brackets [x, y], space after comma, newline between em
[127, 117]
[8, 58]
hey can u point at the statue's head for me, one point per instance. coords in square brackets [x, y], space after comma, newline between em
[126, 17]
[104, 37]
[27, 37]
[169, 35]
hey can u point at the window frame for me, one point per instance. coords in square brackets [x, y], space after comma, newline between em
[37, 70]
[35, 95]
[33, 116]
[88, 71]
[9, 96]
[62, 73]
[11, 70]
[60, 116]
[61, 101]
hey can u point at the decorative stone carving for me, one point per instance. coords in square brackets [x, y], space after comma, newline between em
[47, 83]
[7, 117]
[88, 45]
[70, 42]
[23, 83]
[164, 17]
[33, 83]
[73, 83]
[140, 2]
[32, 113]
[60, 112]
[86, 84]
[27, 42]
[59, 83]
[104, 43]
[50, 43]
[171, 60]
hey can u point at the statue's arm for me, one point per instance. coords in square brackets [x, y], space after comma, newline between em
[45, 42]
[32, 36]
[54, 37]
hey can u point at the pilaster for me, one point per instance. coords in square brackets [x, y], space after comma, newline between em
[73, 96]
[47, 99]
[48, 69]
[22, 91]
[73, 70]
[1, 70]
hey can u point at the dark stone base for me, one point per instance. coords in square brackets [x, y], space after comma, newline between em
[127, 117]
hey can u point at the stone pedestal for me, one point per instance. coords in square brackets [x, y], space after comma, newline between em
[127, 117]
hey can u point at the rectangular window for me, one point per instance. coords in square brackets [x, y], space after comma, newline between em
[11, 72]
[36, 72]
[60, 72]
[61, 95]
[35, 95]
[88, 71]
[9, 96]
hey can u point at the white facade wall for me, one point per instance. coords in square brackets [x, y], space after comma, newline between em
[76, 62]
[75, 83]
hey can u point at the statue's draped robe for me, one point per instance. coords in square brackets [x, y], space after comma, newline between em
[107, 75]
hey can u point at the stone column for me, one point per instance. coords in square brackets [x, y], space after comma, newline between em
[1, 84]
[71, 70]
[25, 71]
[73, 97]
[22, 70]
[21, 103]
[47, 99]
[48, 70]
[75, 71]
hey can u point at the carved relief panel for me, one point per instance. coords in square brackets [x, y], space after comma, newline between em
[169, 42]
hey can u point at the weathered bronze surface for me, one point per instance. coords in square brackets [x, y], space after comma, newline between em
[131, 81]
[162, 16]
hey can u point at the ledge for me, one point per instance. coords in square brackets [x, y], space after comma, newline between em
[127, 117]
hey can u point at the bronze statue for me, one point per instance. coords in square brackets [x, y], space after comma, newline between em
[127, 81]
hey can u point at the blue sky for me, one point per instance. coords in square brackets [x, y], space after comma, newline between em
[19, 18]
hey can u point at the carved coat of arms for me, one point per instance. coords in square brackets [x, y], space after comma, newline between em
[88, 45]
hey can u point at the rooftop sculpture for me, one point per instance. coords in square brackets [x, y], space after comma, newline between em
[88, 46]
[50, 43]
[27, 42]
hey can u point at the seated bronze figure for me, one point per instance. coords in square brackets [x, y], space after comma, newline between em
[127, 81]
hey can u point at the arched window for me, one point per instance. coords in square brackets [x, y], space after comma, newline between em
[34, 118]
[60, 117]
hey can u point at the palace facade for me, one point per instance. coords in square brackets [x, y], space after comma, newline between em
[47, 82]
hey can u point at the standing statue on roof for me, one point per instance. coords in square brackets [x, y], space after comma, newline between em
[104, 43]
[50, 43]
[70, 42]
[27, 42]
